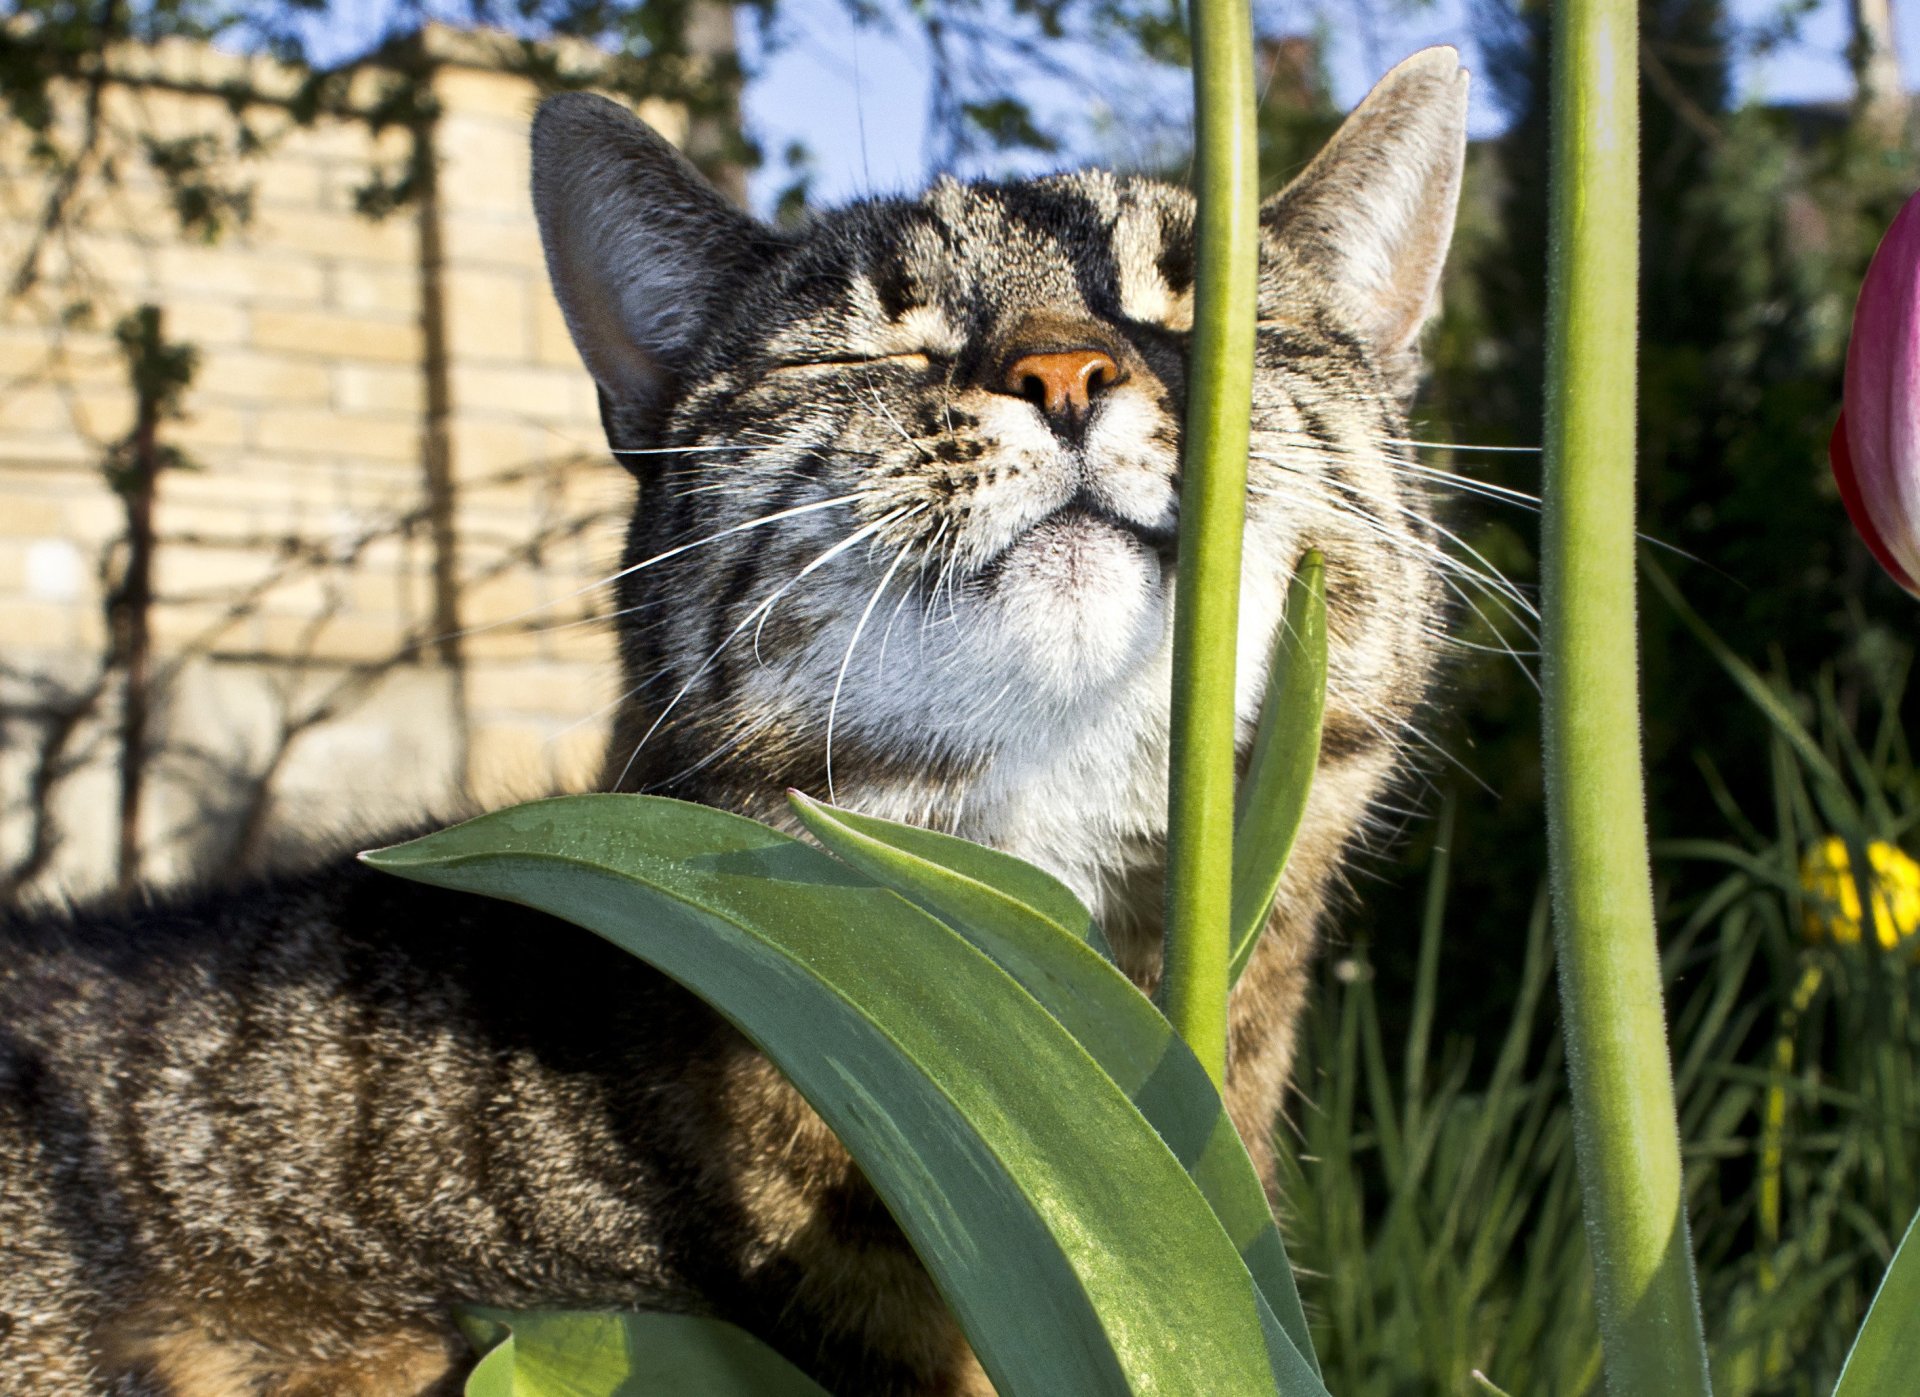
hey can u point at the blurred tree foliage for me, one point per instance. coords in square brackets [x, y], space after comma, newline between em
[1758, 223]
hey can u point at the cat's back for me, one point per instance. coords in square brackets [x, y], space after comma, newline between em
[416, 1093]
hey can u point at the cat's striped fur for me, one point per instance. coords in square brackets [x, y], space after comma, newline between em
[260, 1139]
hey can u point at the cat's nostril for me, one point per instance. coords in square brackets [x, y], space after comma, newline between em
[1062, 384]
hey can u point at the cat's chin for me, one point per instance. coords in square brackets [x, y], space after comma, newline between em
[1083, 599]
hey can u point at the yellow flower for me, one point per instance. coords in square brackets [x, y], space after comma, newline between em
[1833, 898]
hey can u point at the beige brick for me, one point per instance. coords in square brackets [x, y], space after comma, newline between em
[668, 118]
[144, 210]
[232, 270]
[23, 353]
[102, 414]
[190, 572]
[472, 239]
[474, 92]
[334, 334]
[503, 643]
[207, 323]
[592, 642]
[485, 167]
[366, 388]
[338, 638]
[71, 360]
[395, 438]
[532, 686]
[213, 626]
[543, 395]
[184, 63]
[261, 378]
[31, 516]
[339, 236]
[483, 449]
[348, 141]
[552, 342]
[393, 291]
[488, 315]
[208, 426]
[507, 762]
[34, 408]
[165, 115]
[42, 449]
[514, 759]
[287, 182]
[13, 566]
[38, 624]
[95, 515]
[507, 594]
[174, 517]
[58, 479]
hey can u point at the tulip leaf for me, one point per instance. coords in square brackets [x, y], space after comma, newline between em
[981, 878]
[1109, 1016]
[1286, 751]
[1886, 1351]
[558, 1353]
[1075, 1252]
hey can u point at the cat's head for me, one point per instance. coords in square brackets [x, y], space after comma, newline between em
[909, 475]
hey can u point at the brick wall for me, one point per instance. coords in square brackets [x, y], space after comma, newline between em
[368, 590]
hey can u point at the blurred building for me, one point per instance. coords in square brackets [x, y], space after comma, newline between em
[372, 574]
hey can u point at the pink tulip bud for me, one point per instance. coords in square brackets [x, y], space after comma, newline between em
[1876, 444]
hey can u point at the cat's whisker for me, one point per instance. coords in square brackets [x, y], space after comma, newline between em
[1414, 736]
[761, 612]
[840, 679]
[1420, 470]
[1462, 446]
[679, 450]
[880, 402]
[1494, 585]
[927, 553]
[1493, 577]
[778, 516]
[1494, 630]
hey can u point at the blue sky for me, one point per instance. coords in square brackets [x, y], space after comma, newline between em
[858, 98]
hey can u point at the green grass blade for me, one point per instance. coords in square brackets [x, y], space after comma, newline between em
[1108, 1015]
[1759, 693]
[1886, 1352]
[1286, 749]
[556, 1353]
[1074, 1250]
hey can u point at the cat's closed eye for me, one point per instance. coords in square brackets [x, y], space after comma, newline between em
[918, 359]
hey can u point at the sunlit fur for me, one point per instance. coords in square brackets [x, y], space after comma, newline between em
[261, 1139]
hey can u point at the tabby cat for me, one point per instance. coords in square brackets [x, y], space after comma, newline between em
[907, 484]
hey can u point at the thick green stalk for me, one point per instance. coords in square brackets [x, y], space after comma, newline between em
[1213, 501]
[1626, 1131]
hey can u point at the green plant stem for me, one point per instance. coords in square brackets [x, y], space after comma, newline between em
[1626, 1131]
[1213, 501]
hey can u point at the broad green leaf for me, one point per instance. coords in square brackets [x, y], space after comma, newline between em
[1130, 1038]
[1074, 1250]
[980, 873]
[557, 1353]
[1886, 1352]
[1286, 749]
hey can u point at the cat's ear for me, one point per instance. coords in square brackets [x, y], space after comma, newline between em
[1370, 219]
[639, 246]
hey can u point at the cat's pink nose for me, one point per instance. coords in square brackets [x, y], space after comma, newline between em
[1062, 384]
